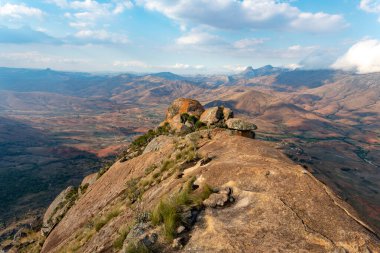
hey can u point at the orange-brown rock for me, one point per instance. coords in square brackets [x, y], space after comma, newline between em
[184, 105]
[277, 207]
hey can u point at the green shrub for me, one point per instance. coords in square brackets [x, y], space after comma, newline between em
[167, 164]
[144, 139]
[168, 211]
[137, 248]
[99, 224]
[133, 192]
[149, 170]
[83, 188]
[119, 241]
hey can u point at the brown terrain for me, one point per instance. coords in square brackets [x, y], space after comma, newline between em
[210, 190]
[326, 121]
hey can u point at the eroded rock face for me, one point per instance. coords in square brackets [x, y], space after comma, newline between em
[58, 209]
[227, 113]
[184, 105]
[158, 143]
[241, 125]
[212, 115]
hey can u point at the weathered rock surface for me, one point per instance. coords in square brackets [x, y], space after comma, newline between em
[57, 210]
[227, 113]
[212, 115]
[285, 210]
[90, 179]
[184, 105]
[241, 125]
[158, 143]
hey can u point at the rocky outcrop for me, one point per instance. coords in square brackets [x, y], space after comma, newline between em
[158, 143]
[184, 105]
[241, 127]
[212, 115]
[58, 208]
[181, 107]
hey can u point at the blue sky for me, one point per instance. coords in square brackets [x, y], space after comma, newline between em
[190, 36]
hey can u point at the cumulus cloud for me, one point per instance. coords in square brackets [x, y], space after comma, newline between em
[19, 11]
[245, 14]
[363, 57]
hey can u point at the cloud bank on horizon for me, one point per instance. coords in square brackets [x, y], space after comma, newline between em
[197, 36]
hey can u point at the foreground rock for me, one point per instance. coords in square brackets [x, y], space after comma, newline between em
[276, 205]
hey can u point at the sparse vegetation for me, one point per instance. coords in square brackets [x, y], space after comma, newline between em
[133, 191]
[83, 188]
[168, 211]
[140, 142]
[104, 169]
[118, 243]
[99, 224]
[137, 248]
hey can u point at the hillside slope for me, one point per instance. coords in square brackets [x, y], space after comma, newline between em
[210, 191]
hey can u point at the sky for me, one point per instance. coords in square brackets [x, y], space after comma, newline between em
[190, 36]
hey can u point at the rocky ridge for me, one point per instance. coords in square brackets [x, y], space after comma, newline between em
[198, 184]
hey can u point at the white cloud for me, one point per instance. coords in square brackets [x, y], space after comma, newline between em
[294, 52]
[248, 43]
[184, 66]
[371, 6]
[101, 35]
[88, 12]
[130, 64]
[245, 14]
[235, 68]
[143, 65]
[197, 38]
[363, 57]
[19, 11]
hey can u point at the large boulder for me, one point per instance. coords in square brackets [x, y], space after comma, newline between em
[212, 115]
[184, 105]
[227, 113]
[241, 125]
[179, 107]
